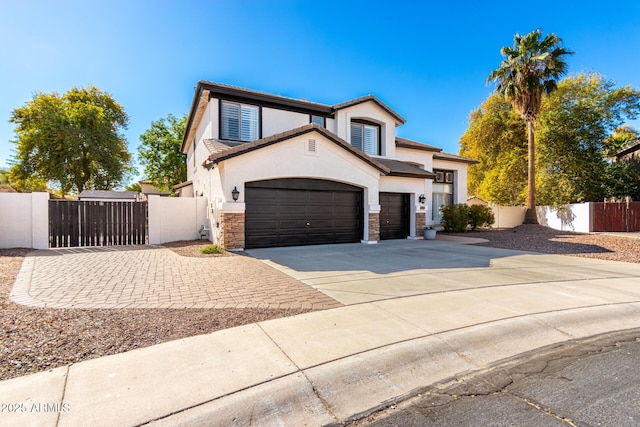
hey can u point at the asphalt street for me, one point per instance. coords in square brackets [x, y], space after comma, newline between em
[593, 382]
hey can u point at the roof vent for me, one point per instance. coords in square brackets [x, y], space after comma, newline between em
[311, 146]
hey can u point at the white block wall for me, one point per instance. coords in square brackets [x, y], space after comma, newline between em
[508, 216]
[24, 220]
[574, 217]
[172, 219]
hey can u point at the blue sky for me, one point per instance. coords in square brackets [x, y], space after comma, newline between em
[427, 60]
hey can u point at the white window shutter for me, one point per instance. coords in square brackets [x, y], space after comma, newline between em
[249, 123]
[357, 136]
[230, 121]
[371, 140]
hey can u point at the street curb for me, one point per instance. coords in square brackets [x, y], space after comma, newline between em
[353, 387]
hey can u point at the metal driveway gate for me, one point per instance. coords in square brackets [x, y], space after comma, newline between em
[83, 223]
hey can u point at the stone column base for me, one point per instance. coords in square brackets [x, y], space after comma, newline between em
[232, 230]
[421, 222]
[374, 226]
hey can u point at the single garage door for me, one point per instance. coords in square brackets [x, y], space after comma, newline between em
[394, 216]
[292, 212]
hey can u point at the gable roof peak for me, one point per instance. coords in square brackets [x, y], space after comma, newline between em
[371, 98]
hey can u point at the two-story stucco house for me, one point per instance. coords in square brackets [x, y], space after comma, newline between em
[278, 171]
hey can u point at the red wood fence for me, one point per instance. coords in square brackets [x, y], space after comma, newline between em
[621, 216]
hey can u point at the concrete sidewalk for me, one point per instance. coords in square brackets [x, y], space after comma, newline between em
[327, 367]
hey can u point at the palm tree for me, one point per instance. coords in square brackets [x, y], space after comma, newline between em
[530, 69]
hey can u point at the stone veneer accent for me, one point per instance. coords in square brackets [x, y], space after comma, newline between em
[421, 223]
[232, 230]
[374, 226]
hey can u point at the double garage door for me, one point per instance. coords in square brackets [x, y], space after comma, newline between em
[293, 212]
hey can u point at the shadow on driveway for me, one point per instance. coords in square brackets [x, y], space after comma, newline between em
[385, 257]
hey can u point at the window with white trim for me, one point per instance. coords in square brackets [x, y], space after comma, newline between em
[366, 137]
[239, 121]
[442, 191]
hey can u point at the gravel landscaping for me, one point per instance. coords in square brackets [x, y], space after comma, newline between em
[537, 238]
[37, 339]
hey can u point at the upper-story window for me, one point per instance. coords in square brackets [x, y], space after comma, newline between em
[366, 137]
[318, 120]
[239, 121]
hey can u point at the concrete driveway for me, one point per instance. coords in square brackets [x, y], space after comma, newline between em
[356, 273]
[420, 314]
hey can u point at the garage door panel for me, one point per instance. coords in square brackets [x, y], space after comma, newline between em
[320, 197]
[262, 225]
[292, 239]
[348, 237]
[345, 197]
[334, 212]
[292, 224]
[291, 211]
[346, 210]
[265, 241]
[322, 211]
[321, 224]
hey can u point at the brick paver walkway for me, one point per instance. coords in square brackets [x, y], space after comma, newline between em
[156, 277]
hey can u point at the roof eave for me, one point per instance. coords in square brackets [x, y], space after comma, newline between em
[370, 98]
[412, 175]
[256, 145]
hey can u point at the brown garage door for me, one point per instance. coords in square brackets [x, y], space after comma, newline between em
[292, 212]
[394, 216]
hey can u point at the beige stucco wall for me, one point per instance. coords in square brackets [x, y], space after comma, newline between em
[277, 121]
[372, 112]
[173, 219]
[289, 159]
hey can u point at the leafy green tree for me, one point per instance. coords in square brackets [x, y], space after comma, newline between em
[495, 138]
[530, 69]
[4, 179]
[577, 128]
[164, 164]
[622, 136]
[577, 131]
[73, 140]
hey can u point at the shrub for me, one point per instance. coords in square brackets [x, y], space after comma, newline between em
[455, 217]
[213, 249]
[480, 216]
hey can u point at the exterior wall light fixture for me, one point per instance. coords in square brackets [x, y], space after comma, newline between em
[235, 193]
[422, 198]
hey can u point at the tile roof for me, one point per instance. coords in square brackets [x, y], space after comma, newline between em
[105, 194]
[407, 143]
[400, 168]
[235, 90]
[182, 184]
[6, 188]
[216, 146]
[454, 158]
[629, 148]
